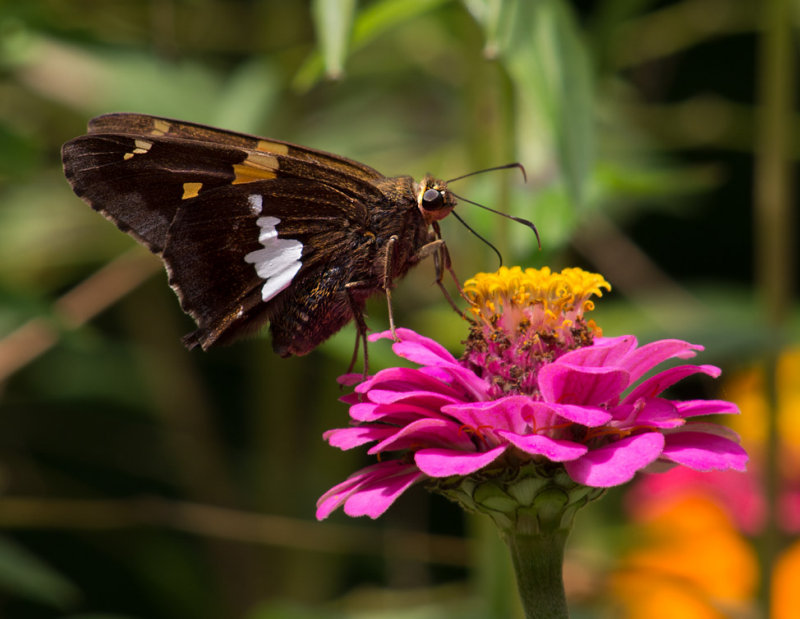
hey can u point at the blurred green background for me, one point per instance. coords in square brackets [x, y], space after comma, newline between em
[143, 481]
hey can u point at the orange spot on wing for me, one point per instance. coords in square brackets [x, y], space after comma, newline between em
[190, 190]
[257, 167]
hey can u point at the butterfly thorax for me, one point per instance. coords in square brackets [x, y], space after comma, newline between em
[403, 214]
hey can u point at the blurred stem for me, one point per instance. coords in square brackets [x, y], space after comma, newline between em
[773, 228]
[508, 153]
[538, 563]
[74, 309]
[229, 525]
[492, 570]
[676, 27]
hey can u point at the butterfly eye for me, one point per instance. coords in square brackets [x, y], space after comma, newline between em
[432, 199]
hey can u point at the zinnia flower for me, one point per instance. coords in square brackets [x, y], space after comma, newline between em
[540, 410]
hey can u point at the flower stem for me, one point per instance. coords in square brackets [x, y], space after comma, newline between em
[538, 562]
[775, 241]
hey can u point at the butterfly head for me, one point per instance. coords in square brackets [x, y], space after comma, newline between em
[434, 200]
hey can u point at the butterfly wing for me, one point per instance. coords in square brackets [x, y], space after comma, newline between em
[237, 219]
[137, 170]
[144, 125]
[270, 258]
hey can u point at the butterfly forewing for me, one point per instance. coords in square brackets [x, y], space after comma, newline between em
[139, 183]
[140, 124]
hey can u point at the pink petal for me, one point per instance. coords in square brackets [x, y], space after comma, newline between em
[617, 462]
[704, 452]
[420, 349]
[337, 495]
[380, 335]
[696, 408]
[364, 411]
[589, 416]
[427, 399]
[393, 414]
[375, 497]
[415, 347]
[352, 398]
[553, 449]
[523, 415]
[438, 364]
[605, 352]
[515, 412]
[437, 462]
[425, 433]
[571, 384]
[347, 438]
[350, 379]
[708, 427]
[654, 385]
[657, 413]
[474, 386]
[644, 359]
[438, 372]
[405, 379]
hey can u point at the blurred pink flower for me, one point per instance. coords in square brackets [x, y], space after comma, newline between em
[690, 558]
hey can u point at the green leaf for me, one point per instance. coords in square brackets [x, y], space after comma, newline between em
[333, 20]
[249, 96]
[18, 153]
[370, 24]
[103, 79]
[549, 66]
[379, 17]
[24, 575]
[493, 16]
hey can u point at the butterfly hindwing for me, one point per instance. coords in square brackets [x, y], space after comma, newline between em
[230, 272]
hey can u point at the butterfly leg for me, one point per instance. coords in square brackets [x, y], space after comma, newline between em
[444, 255]
[442, 263]
[361, 325]
[388, 283]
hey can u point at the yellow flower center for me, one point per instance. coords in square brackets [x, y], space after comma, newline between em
[547, 301]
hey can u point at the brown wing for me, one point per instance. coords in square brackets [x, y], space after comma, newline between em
[144, 125]
[139, 181]
[205, 199]
[235, 271]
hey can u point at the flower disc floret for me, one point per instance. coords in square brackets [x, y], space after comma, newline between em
[526, 319]
[539, 299]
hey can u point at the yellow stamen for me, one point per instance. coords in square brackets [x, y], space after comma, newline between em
[552, 300]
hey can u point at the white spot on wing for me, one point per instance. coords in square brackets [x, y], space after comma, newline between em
[279, 261]
[256, 203]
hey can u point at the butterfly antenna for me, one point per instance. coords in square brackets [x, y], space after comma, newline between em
[467, 226]
[500, 167]
[519, 220]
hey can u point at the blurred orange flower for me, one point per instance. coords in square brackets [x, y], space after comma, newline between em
[691, 562]
[691, 557]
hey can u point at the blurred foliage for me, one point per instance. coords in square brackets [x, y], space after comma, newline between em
[141, 481]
